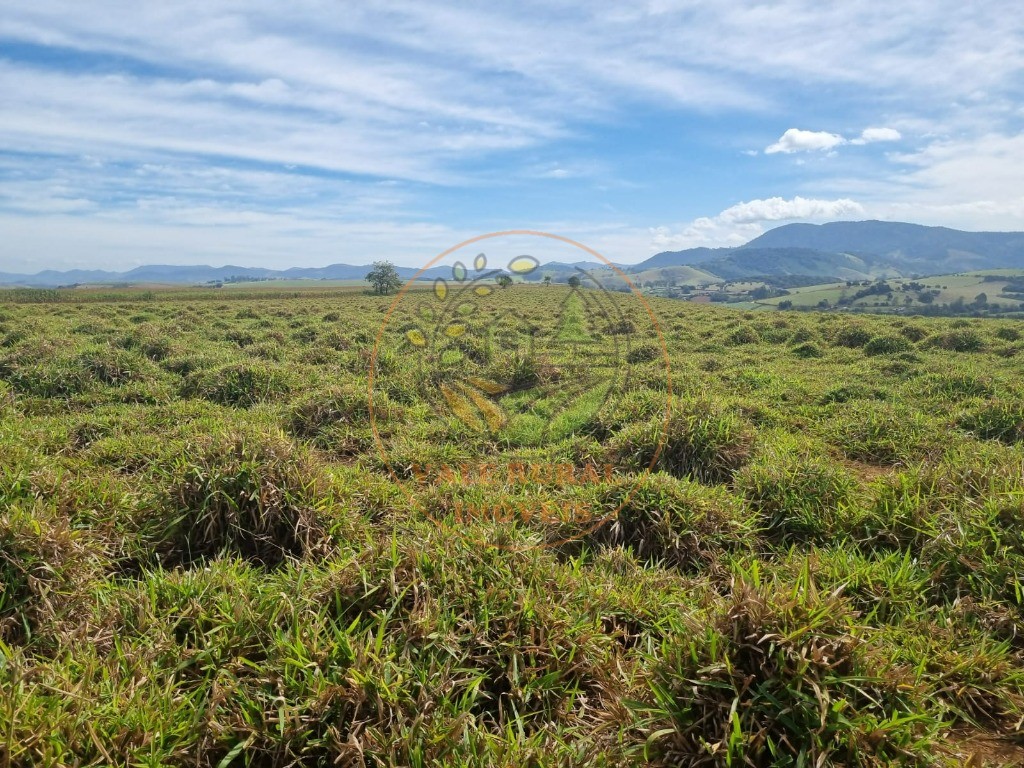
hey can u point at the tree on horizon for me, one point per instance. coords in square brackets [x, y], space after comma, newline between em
[384, 278]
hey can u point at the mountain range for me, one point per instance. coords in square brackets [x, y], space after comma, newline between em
[842, 250]
[853, 250]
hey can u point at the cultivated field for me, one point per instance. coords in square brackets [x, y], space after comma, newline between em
[211, 555]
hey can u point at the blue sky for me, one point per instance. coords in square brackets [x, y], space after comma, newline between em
[255, 133]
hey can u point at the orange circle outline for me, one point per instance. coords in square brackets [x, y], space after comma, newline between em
[633, 289]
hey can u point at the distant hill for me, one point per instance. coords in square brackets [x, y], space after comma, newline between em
[845, 250]
[687, 258]
[915, 247]
[742, 263]
[854, 250]
[191, 275]
[747, 262]
[171, 274]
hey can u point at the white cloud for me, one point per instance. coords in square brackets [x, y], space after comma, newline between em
[780, 209]
[872, 135]
[743, 222]
[796, 140]
[968, 182]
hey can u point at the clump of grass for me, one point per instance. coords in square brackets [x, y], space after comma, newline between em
[267, 351]
[519, 370]
[960, 385]
[643, 353]
[148, 342]
[634, 406]
[883, 433]
[808, 350]
[1001, 420]
[258, 497]
[45, 564]
[191, 363]
[41, 370]
[782, 677]
[887, 345]
[801, 335]
[347, 404]
[674, 522]
[305, 335]
[958, 340]
[745, 334]
[112, 366]
[914, 333]
[338, 419]
[882, 586]
[241, 338]
[1008, 333]
[847, 392]
[7, 399]
[240, 384]
[621, 327]
[800, 496]
[701, 439]
[852, 336]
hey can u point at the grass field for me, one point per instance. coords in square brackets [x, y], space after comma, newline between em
[212, 554]
[950, 288]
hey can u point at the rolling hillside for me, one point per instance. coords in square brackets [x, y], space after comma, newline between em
[910, 246]
[854, 250]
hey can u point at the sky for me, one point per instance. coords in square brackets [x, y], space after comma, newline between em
[258, 133]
